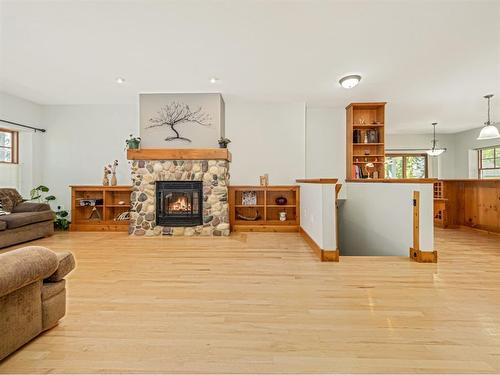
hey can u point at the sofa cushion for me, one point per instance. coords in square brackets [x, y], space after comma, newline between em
[20, 219]
[66, 265]
[31, 207]
[3, 225]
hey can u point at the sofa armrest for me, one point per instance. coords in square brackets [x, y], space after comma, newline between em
[31, 207]
[25, 266]
[66, 265]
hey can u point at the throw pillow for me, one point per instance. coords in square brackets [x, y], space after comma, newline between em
[2, 211]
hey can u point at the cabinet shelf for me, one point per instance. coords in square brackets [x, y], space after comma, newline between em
[365, 121]
[100, 217]
[266, 208]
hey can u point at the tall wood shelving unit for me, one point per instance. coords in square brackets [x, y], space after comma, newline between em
[363, 117]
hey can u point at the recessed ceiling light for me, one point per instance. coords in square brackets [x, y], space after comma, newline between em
[348, 82]
[214, 80]
[120, 80]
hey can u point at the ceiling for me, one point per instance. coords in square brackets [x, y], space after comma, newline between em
[431, 60]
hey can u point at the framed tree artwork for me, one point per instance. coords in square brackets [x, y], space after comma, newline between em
[181, 120]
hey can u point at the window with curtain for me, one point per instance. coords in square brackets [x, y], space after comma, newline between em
[9, 146]
[489, 162]
[406, 166]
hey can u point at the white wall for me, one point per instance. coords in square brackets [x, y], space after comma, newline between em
[371, 223]
[325, 143]
[442, 166]
[265, 138]
[317, 214]
[27, 173]
[464, 143]
[80, 140]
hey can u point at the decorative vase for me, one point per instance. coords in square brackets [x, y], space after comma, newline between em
[280, 201]
[282, 216]
[113, 179]
[105, 181]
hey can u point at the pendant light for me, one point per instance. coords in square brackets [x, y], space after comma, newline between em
[489, 131]
[434, 151]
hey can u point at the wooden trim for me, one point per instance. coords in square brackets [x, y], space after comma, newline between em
[485, 180]
[423, 256]
[394, 180]
[179, 154]
[100, 187]
[416, 220]
[323, 255]
[14, 148]
[317, 180]
[369, 104]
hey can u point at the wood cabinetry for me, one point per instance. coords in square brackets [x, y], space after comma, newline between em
[365, 124]
[472, 203]
[264, 210]
[110, 203]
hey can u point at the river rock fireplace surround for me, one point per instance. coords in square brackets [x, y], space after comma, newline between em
[178, 192]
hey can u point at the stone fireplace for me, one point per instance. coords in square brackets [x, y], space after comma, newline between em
[178, 197]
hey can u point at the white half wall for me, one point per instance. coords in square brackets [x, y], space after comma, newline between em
[377, 219]
[265, 138]
[317, 214]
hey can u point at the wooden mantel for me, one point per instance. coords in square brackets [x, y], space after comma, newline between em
[179, 154]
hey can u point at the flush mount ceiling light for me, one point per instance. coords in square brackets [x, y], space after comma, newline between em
[489, 131]
[434, 151]
[348, 82]
[120, 80]
[214, 80]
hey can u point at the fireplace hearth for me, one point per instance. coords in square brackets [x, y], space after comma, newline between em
[179, 203]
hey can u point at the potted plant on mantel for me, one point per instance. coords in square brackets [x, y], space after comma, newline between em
[223, 142]
[133, 143]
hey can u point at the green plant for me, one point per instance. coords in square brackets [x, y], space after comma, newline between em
[61, 216]
[133, 142]
[61, 221]
[223, 142]
[38, 194]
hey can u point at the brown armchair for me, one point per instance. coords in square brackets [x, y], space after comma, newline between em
[32, 294]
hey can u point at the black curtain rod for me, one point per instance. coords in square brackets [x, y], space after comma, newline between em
[24, 126]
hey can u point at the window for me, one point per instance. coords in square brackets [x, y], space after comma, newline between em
[406, 166]
[489, 162]
[8, 146]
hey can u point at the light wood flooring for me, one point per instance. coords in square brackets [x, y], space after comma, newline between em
[261, 302]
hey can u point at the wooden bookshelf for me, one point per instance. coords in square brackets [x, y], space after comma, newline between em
[265, 208]
[105, 214]
[365, 134]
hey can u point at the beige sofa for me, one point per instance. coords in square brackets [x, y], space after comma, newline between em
[32, 294]
[27, 221]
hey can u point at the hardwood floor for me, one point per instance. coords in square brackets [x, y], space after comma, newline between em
[262, 302]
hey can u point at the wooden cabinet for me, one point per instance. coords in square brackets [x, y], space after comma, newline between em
[365, 143]
[472, 203]
[257, 208]
[110, 203]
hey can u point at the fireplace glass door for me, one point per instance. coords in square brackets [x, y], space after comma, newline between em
[179, 203]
